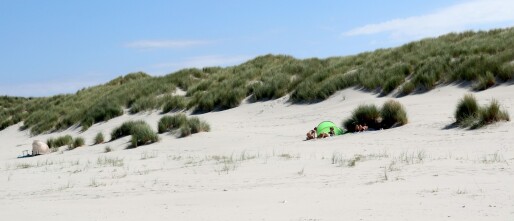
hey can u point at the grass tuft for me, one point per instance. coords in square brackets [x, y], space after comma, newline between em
[467, 109]
[125, 129]
[77, 142]
[484, 82]
[364, 114]
[60, 141]
[170, 123]
[393, 114]
[99, 138]
[142, 134]
[469, 114]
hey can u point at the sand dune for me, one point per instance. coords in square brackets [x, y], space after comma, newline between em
[254, 165]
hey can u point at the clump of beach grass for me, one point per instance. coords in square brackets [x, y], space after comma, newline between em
[194, 125]
[142, 133]
[99, 138]
[391, 114]
[125, 129]
[77, 142]
[59, 141]
[364, 114]
[170, 123]
[185, 125]
[470, 114]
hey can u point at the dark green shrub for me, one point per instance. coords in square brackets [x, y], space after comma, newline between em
[142, 134]
[466, 108]
[125, 129]
[393, 114]
[99, 138]
[169, 123]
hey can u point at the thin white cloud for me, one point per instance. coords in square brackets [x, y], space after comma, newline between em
[156, 44]
[463, 16]
[204, 61]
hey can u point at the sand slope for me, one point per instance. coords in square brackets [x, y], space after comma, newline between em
[254, 165]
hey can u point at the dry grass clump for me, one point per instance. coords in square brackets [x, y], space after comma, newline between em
[391, 114]
[469, 114]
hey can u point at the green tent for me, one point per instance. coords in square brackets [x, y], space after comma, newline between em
[324, 127]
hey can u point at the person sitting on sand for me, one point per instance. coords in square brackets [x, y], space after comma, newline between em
[332, 132]
[323, 135]
[360, 128]
[312, 134]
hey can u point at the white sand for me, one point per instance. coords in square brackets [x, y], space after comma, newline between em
[255, 166]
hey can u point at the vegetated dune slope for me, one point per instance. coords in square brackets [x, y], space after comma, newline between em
[254, 165]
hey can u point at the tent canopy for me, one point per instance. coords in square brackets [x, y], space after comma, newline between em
[39, 148]
[324, 127]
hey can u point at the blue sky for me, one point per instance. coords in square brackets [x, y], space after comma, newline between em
[51, 47]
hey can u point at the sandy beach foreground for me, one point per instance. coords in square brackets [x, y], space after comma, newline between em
[254, 165]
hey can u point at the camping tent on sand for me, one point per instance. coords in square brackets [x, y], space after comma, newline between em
[324, 127]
